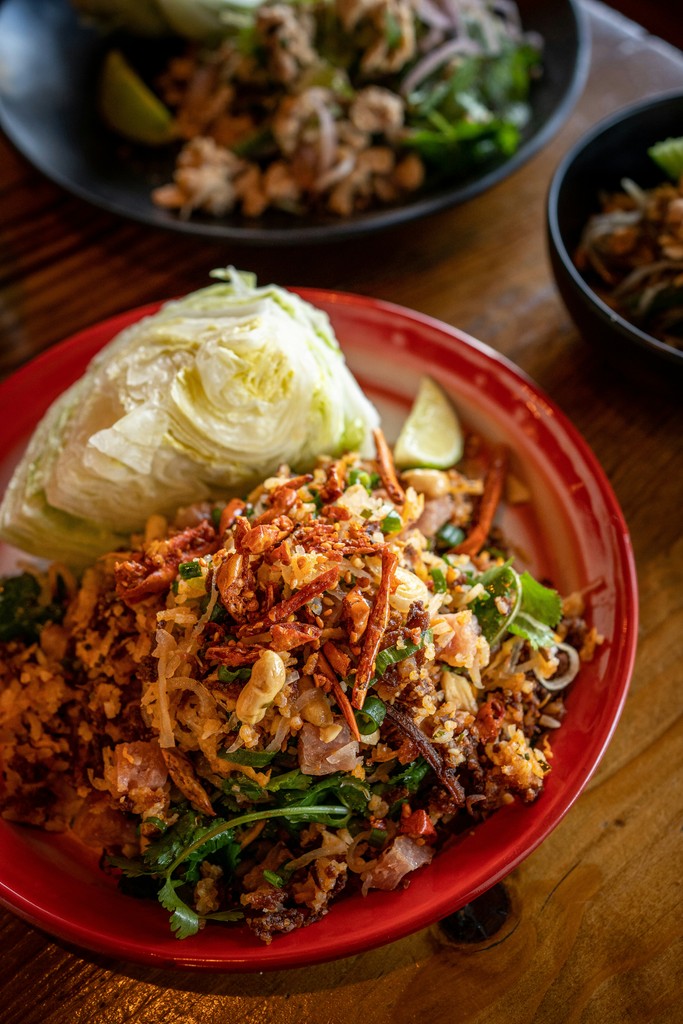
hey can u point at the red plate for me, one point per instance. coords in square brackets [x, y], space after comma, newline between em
[576, 535]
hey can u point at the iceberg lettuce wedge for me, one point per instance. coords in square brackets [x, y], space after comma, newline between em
[201, 400]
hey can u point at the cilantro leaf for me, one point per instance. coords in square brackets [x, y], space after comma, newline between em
[537, 634]
[184, 921]
[540, 602]
[541, 610]
[23, 610]
[516, 603]
[225, 915]
[501, 603]
[289, 780]
[411, 776]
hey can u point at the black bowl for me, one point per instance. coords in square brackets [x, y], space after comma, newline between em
[50, 61]
[614, 149]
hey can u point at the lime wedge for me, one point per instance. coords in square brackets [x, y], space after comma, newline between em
[431, 435]
[669, 156]
[129, 106]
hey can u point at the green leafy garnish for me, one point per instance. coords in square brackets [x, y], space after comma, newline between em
[518, 604]
[294, 780]
[497, 608]
[475, 115]
[411, 776]
[190, 841]
[184, 920]
[540, 612]
[22, 612]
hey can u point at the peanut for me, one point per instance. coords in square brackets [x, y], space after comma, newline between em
[430, 482]
[317, 709]
[266, 680]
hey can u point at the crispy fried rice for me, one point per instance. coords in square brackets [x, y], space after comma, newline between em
[307, 690]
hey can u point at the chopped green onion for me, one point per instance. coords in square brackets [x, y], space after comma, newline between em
[273, 878]
[392, 523]
[229, 675]
[450, 535]
[218, 614]
[361, 476]
[189, 570]
[391, 655]
[372, 715]
[377, 837]
[316, 499]
[158, 823]
[440, 585]
[253, 758]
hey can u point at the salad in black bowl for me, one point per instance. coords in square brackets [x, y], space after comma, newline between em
[615, 234]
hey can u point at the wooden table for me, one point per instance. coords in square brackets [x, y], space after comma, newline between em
[594, 933]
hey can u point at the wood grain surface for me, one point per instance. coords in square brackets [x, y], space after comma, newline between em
[593, 935]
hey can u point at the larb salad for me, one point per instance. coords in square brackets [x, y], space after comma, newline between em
[331, 106]
[264, 704]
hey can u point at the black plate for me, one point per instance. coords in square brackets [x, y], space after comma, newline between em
[49, 63]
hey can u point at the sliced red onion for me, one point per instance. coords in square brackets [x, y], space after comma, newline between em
[635, 192]
[435, 60]
[432, 38]
[432, 14]
[334, 175]
[641, 273]
[509, 11]
[281, 734]
[453, 9]
[562, 681]
[649, 295]
[328, 136]
[315, 101]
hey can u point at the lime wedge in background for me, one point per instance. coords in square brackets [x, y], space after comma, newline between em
[669, 156]
[431, 435]
[129, 106]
